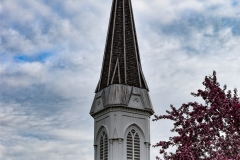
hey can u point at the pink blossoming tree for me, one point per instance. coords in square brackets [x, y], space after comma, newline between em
[209, 131]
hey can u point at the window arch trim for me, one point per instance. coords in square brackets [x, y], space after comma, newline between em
[141, 136]
[138, 129]
[103, 143]
[100, 130]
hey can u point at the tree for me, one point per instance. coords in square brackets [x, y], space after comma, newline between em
[205, 131]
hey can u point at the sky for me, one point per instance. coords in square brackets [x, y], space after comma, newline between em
[50, 61]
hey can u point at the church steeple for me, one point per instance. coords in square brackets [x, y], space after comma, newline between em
[121, 107]
[121, 62]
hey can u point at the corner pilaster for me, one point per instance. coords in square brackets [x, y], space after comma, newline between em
[111, 149]
[147, 145]
[120, 147]
[95, 152]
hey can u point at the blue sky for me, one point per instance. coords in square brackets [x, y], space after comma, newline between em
[50, 61]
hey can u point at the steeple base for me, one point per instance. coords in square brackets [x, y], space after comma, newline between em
[128, 132]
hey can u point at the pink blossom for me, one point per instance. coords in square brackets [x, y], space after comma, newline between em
[209, 131]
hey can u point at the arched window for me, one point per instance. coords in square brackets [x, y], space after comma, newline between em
[104, 146]
[133, 145]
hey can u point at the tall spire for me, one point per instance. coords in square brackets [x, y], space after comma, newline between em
[121, 62]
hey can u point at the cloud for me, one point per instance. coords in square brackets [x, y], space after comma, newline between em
[50, 62]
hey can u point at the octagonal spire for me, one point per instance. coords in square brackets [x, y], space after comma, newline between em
[121, 61]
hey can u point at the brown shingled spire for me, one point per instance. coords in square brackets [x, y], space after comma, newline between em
[121, 62]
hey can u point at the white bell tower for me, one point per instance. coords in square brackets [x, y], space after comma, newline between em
[121, 107]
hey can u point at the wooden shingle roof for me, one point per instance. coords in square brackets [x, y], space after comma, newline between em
[121, 61]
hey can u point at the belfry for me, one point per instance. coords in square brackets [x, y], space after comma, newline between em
[121, 107]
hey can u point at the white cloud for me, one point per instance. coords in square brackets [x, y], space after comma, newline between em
[44, 105]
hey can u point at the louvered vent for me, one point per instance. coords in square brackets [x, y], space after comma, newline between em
[133, 145]
[129, 146]
[104, 146]
[101, 148]
[136, 147]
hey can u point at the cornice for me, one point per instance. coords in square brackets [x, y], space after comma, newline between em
[123, 109]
